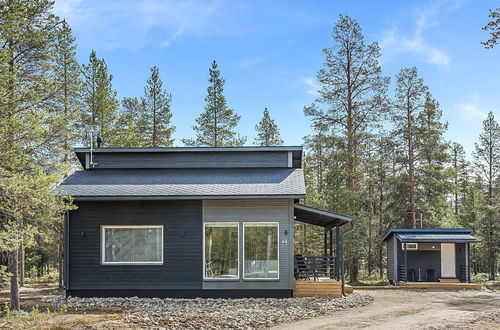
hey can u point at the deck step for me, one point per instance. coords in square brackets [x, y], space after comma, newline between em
[449, 280]
[317, 288]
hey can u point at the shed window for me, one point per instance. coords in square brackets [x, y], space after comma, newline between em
[221, 259]
[132, 245]
[260, 250]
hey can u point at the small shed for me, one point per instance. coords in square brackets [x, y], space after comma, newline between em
[428, 255]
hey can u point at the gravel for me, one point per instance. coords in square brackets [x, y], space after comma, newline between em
[203, 313]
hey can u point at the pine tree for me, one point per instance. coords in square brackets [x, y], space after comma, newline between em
[129, 128]
[352, 103]
[216, 125]
[99, 98]
[157, 115]
[67, 101]
[432, 175]
[268, 133]
[487, 163]
[28, 35]
[460, 175]
[494, 27]
[410, 100]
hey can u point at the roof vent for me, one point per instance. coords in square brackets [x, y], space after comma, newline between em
[99, 141]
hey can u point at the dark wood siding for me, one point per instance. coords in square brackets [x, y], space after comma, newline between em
[390, 259]
[192, 160]
[182, 268]
[460, 265]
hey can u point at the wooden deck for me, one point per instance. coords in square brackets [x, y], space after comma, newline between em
[422, 286]
[328, 288]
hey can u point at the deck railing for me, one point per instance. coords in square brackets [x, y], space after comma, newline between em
[315, 267]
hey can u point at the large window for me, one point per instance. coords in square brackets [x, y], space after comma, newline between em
[221, 250]
[132, 245]
[260, 250]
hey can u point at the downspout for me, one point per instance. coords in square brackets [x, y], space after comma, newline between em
[345, 233]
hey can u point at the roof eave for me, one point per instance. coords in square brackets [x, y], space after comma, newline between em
[185, 197]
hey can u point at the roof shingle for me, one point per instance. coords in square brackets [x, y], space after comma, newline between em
[251, 182]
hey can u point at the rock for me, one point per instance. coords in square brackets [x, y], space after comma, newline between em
[247, 313]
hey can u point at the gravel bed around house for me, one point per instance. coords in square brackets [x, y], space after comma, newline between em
[204, 313]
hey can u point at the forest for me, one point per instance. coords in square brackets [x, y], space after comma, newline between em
[377, 155]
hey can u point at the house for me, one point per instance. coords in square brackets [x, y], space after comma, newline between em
[428, 255]
[191, 222]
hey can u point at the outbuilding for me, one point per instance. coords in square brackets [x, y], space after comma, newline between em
[428, 255]
[191, 222]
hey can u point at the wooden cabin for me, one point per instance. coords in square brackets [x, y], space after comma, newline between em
[190, 222]
[428, 255]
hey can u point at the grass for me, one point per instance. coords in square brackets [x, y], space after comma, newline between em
[374, 279]
[483, 279]
[50, 280]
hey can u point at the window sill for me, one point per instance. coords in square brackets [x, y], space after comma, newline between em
[261, 279]
[221, 279]
[132, 264]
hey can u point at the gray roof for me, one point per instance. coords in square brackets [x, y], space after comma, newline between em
[195, 149]
[319, 217]
[185, 183]
[437, 238]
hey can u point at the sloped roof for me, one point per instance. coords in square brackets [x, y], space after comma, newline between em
[185, 183]
[451, 238]
[319, 217]
[452, 235]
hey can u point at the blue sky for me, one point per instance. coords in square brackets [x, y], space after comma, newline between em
[270, 51]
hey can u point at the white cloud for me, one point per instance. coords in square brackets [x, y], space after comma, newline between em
[394, 43]
[311, 84]
[471, 111]
[133, 24]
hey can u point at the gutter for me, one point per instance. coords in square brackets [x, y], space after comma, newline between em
[342, 263]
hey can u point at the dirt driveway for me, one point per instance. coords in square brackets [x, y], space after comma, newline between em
[415, 310]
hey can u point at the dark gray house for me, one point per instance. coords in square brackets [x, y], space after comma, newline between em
[428, 255]
[188, 222]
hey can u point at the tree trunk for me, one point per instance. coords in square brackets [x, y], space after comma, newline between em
[21, 264]
[411, 169]
[60, 262]
[14, 284]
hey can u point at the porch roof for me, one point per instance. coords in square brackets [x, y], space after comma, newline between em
[319, 217]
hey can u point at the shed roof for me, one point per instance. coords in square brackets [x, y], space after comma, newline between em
[319, 217]
[203, 183]
[445, 235]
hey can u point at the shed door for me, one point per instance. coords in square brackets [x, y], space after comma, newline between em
[448, 260]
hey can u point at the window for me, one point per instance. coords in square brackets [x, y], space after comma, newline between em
[221, 259]
[409, 246]
[260, 250]
[429, 246]
[132, 245]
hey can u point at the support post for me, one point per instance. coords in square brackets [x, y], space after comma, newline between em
[331, 243]
[325, 234]
[406, 264]
[337, 251]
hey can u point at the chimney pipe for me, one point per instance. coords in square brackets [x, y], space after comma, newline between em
[99, 141]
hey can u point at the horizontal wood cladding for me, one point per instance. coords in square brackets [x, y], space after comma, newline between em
[318, 288]
[193, 160]
[182, 221]
[265, 210]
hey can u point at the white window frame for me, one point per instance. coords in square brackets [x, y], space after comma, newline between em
[103, 245]
[277, 225]
[404, 246]
[232, 224]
